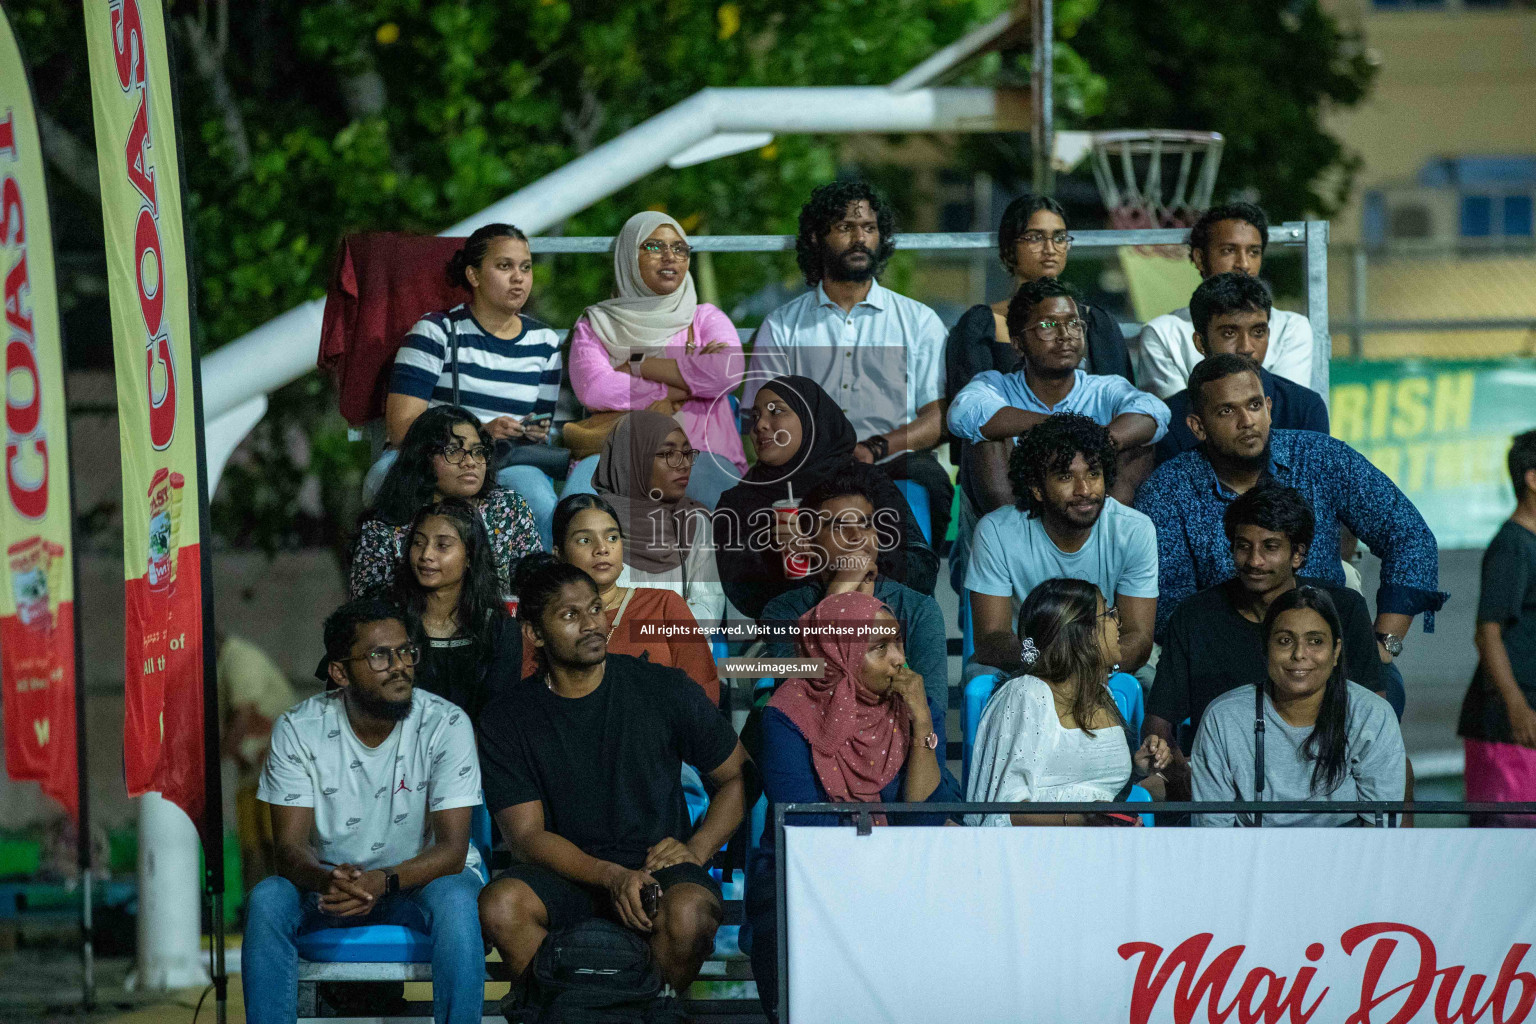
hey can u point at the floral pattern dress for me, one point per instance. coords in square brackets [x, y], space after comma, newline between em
[508, 522]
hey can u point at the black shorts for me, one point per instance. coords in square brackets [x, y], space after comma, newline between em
[567, 902]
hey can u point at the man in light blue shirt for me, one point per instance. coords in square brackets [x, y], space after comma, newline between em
[879, 355]
[1063, 525]
[1045, 327]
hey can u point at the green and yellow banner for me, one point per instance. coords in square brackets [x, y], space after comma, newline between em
[1441, 431]
[151, 300]
[37, 626]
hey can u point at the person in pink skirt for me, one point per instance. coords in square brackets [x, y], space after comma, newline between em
[1498, 716]
[655, 346]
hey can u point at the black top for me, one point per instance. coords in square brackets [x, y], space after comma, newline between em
[1210, 649]
[1509, 598]
[606, 766]
[751, 570]
[1295, 408]
[973, 347]
[471, 672]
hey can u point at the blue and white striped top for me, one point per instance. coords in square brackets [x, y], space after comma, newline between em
[497, 376]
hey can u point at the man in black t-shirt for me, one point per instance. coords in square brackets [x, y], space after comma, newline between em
[1215, 641]
[582, 769]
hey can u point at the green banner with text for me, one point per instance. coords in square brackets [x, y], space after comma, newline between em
[1441, 431]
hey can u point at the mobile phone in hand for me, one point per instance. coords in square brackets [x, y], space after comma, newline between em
[650, 898]
[533, 419]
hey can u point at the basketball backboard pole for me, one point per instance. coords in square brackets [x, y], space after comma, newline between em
[1042, 136]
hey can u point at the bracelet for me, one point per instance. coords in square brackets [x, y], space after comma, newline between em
[878, 446]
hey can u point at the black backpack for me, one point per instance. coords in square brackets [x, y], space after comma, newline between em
[595, 972]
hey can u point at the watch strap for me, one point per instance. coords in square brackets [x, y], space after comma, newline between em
[391, 883]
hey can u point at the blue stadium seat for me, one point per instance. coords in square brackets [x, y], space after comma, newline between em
[1141, 796]
[388, 943]
[967, 629]
[1128, 697]
[918, 499]
[977, 692]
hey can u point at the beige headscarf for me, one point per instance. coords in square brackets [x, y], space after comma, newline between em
[639, 320]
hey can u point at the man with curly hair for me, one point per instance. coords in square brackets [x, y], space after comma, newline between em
[1063, 524]
[880, 355]
[1049, 333]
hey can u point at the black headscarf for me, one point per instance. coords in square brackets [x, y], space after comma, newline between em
[827, 440]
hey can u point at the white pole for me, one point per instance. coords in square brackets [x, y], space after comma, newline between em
[170, 900]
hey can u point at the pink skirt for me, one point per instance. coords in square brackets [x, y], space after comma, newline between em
[1501, 773]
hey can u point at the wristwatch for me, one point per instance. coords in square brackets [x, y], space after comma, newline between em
[391, 883]
[878, 446]
[1392, 642]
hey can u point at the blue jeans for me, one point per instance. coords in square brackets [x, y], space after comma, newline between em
[712, 476]
[446, 908]
[529, 482]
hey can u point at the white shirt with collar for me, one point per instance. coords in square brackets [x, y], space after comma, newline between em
[880, 362]
[1168, 352]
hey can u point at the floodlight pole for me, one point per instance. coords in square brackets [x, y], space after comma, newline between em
[1042, 135]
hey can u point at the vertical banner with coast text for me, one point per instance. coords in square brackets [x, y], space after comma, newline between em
[148, 280]
[37, 627]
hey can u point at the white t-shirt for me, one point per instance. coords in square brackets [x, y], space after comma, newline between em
[371, 803]
[1011, 554]
[1168, 351]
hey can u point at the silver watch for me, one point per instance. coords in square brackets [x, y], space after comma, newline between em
[1392, 642]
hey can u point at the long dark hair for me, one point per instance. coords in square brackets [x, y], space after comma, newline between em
[1061, 617]
[411, 482]
[827, 205]
[479, 593]
[473, 252]
[569, 508]
[1327, 747]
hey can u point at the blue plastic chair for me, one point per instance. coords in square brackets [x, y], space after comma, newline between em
[973, 702]
[388, 943]
[1128, 697]
[918, 499]
[967, 629]
[1141, 796]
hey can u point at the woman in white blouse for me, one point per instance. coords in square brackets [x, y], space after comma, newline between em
[1054, 734]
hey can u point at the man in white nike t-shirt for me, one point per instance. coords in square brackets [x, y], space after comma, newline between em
[371, 787]
[1225, 239]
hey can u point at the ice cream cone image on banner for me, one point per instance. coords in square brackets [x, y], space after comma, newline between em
[178, 489]
[29, 582]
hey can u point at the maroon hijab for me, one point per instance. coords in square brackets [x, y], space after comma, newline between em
[858, 738]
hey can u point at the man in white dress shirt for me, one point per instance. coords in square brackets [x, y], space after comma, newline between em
[1227, 238]
[879, 355]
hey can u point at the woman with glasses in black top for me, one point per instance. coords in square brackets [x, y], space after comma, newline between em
[444, 455]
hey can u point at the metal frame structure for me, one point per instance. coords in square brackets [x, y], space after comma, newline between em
[862, 816]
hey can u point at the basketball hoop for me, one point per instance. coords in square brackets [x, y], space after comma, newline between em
[1156, 177]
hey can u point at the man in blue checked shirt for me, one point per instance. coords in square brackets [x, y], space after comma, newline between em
[1187, 496]
[1050, 336]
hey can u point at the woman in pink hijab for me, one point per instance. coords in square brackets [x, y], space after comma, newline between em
[860, 734]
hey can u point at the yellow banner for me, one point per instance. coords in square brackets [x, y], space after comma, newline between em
[37, 633]
[151, 299]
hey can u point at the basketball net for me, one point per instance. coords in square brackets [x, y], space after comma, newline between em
[1156, 178]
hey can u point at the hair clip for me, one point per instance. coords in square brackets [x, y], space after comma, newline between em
[1028, 653]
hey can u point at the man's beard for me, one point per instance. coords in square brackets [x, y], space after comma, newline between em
[1246, 463]
[378, 707]
[1068, 517]
[837, 270]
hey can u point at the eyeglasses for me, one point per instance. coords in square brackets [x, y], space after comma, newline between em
[1037, 239]
[1049, 329]
[677, 458]
[379, 658]
[455, 454]
[679, 249]
[1112, 614]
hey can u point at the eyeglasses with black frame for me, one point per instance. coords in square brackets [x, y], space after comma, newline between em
[455, 454]
[379, 658]
[677, 458]
[1048, 330]
[650, 247]
[1037, 239]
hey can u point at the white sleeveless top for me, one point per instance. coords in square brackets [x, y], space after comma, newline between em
[1023, 752]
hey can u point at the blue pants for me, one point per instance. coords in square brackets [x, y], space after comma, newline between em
[712, 476]
[446, 908]
[528, 481]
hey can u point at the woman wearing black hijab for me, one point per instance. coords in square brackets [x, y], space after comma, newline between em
[802, 438]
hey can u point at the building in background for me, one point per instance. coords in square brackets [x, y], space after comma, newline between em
[1440, 224]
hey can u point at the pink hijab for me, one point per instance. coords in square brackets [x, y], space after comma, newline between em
[858, 738]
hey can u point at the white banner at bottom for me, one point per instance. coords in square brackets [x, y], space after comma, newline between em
[1150, 926]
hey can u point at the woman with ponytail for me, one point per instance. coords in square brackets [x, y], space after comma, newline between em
[508, 364]
[1325, 738]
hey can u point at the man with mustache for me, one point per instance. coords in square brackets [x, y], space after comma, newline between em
[880, 355]
[1226, 239]
[1050, 337]
[583, 764]
[1187, 498]
[1214, 641]
[1064, 524]
[371, 787]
